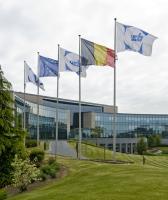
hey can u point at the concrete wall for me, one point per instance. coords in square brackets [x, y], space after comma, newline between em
[89, 120]
[109, 109]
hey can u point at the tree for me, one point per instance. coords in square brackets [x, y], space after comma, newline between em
[157, 140]
[154, 140]
[11, 138]
[141, 146]
[151, 141]
[96, 132]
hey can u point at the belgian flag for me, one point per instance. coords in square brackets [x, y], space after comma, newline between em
[96, 54]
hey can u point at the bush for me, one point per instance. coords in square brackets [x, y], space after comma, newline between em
[50, 169]
[24, 173]
[36, 156]
[42, 176]
[52, 173]
[46, 169]
[31, 143]
[3, 194]
[51, 160]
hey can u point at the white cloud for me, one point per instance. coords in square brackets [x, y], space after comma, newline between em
[29, 26]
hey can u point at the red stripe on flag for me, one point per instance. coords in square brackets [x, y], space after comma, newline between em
[110, 57]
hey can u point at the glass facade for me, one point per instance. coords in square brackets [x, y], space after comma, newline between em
[127, 125]
[133, 125]
[47, 122]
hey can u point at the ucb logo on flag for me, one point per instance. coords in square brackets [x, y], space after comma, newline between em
[134, 39]
[69, 61]
[30, 76]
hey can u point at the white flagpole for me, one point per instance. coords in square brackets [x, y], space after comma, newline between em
[80, 133]
[38, 132]
[114, 100]
[24, 113]
[56, 131]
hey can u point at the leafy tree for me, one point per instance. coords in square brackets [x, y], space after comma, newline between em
[24, 173]
[141, 146]
[154, 140]
[151, 141]
[96, 132]
[157, 140]
[11, 138]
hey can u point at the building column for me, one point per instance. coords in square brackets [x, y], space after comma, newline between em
[131, 148]
[126, 148]
[120, 147]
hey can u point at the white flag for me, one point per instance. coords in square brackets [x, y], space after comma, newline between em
[134, 39]
[30, 76]
[69, 61]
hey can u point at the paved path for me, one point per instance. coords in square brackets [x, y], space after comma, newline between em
[63, 148]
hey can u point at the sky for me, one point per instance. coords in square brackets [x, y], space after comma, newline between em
[31, 26]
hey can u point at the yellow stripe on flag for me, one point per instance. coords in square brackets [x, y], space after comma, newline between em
[100, 54]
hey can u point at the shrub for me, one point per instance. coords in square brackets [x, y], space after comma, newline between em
[52, 173]
[51, 160]
[36, 156]
[50, 169]
[31, 143]
[42, 176]
[24, 173]
[55, 166]
[3, 194]
[46, 169]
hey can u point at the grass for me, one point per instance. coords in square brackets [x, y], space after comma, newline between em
[96, 181]
[93, 152]
[163, 148]
[88, 180]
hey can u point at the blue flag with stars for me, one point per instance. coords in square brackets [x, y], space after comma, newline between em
[47, 67]
[134, 39]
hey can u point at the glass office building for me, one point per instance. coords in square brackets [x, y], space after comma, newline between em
[47, 122]
[95, 118]
[133, 125]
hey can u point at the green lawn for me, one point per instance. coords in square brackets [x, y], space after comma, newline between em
[163, 148]
[93, 152]
[90, 180]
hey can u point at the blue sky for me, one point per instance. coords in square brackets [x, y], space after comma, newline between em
[29, 26]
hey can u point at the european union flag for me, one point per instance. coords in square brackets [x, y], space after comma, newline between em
[47, 67]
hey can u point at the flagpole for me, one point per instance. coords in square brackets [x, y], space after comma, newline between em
[38, 132]
[80, 133]
[56, 132]
[114, 96]
[24, 114]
